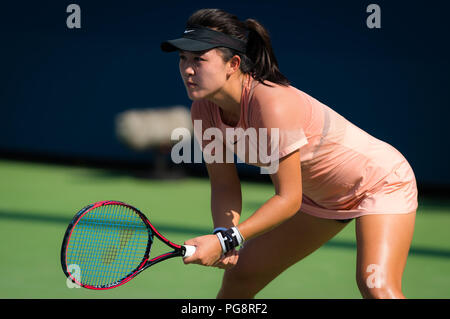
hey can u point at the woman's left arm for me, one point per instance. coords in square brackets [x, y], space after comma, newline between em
[284, 204]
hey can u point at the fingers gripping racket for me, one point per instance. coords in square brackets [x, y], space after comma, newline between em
[108, 243]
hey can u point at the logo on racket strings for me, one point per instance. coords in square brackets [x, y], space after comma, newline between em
[75, 272]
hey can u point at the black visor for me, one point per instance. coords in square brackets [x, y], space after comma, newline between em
[200, 38]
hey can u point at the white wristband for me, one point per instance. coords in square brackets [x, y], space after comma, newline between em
[238, 235]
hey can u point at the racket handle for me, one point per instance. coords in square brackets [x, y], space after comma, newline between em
[189, 250]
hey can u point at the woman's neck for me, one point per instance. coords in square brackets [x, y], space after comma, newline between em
[229, 99]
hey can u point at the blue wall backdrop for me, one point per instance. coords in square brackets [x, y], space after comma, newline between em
[61, 88]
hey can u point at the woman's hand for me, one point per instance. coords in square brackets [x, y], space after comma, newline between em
[209, 253]
[228, 260]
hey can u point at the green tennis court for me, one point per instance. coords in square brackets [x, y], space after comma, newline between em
[38, 200]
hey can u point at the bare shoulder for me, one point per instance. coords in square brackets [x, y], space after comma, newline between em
[275, 101]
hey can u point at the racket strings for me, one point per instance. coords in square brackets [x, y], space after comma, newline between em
[107, 244]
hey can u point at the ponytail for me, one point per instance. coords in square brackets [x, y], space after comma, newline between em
[260, 52]
[259, 60]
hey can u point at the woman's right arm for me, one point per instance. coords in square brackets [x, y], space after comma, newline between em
[226, 203]
[226, 196]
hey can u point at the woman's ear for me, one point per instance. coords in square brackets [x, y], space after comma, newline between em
[233, 64]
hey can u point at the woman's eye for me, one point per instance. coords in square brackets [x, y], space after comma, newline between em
[196, 59]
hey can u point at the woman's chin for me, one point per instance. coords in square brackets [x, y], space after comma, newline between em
[194, 96]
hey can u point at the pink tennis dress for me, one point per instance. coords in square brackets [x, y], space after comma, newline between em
[346, 172]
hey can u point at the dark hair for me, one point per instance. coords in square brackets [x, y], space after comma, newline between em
[259, 60]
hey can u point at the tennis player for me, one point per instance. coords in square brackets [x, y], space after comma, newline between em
[329, 171]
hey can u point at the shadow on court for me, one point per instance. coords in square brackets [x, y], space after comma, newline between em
[189, 230]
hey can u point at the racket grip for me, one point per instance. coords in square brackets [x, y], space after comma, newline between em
[189, 250]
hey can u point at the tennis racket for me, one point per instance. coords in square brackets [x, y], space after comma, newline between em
[108, 243]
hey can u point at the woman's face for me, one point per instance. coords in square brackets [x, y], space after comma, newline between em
[203, 73]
